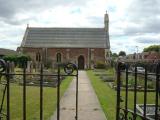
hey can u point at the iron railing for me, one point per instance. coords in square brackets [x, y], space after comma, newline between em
[123, 112]
[69, 70]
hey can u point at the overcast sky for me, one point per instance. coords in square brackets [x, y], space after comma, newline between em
[132, 22]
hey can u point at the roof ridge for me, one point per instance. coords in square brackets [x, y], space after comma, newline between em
[6, 49]
[67, 27]
[71, 37]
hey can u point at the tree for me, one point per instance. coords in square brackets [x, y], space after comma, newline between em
[17, 59]
[22, 59]
[122, 53]
[10, 58]
[155, 48]
[114, 55]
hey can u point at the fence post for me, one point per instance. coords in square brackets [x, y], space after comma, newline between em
[157, 90]
[41, 92]
[24, 91]
[2, 69]
[8, 91]
[135, 92]
[76, 94]
[126, 93]
[118, 90]
[58, 93]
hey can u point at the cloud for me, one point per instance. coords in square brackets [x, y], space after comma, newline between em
[148, 39]
[139, 17]
[58, 13]
[10, 9]
[144, 14]
[132, 22]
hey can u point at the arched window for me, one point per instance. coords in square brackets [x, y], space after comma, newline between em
[58, 57]
[38, 57]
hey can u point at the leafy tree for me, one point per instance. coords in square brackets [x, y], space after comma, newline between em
[17, 59]
[155, 48]
[100, 65]
[22, 59]
[122, 53]
[114, 55]
[10, 58]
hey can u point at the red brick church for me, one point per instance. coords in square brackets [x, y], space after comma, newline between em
[82, 46]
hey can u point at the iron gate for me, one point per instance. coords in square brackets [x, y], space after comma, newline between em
[68, 69]
[123, 112]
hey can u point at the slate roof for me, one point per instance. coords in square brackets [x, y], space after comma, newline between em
[7, 52]
[66, 38]
[153, 55]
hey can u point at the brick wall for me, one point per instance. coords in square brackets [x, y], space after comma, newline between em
[68, 54]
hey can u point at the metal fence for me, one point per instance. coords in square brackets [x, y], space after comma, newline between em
[68, 69]
[124, 111]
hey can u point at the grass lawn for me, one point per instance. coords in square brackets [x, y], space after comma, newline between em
[33, 100]
[107, 96]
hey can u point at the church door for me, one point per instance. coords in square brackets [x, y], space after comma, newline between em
[81, 62]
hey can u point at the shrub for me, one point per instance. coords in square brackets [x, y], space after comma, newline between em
[48, 64]
[150, 85]
[22, 59]
[100, 65]
[10, 58]
[155, 48]
[131, 82]
[17, 59]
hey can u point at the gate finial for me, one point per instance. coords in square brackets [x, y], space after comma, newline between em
[2, 65]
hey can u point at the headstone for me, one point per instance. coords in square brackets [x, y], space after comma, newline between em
[28, 66]
[31, 67]
[37, 66]
[53, 65]
[12, 67]
[150, 110]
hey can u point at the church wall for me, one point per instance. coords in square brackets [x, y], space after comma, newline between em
[99, 54]
[68, 54]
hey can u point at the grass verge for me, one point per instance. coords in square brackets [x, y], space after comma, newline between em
[107, 96]
[33, 100]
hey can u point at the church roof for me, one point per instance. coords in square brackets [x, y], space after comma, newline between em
[4, 51]
[66, 38]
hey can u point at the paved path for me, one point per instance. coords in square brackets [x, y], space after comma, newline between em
[89, 107]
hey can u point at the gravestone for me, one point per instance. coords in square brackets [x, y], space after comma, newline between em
[29, 66]
[150, 110]
[37, 66]
[12, 67]
[11, 70]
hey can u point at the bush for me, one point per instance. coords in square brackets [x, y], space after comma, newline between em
[10, 58]
[48, 64]
[100, 65]
[155, 48]
[150, 85]
[131, 82]
[17, 59]
[22, 59]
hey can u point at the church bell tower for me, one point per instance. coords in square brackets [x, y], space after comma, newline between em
[106, 22]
